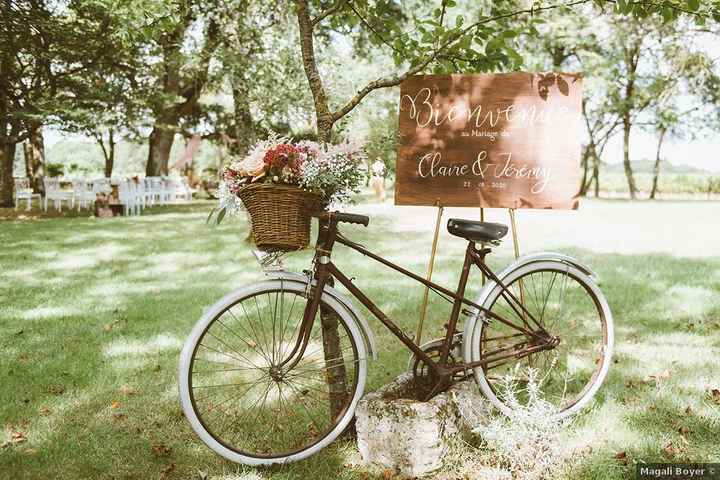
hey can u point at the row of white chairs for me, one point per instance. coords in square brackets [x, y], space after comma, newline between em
[134, 196]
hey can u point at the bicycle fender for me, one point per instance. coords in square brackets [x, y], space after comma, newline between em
[342, 299]
[541, 256]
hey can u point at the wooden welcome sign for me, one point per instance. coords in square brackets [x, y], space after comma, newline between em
[505, 140]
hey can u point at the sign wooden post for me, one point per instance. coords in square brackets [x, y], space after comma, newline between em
[423, 310]
[482, 219]
[516, 246]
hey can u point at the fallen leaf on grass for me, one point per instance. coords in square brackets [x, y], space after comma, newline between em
[115, 405]
[16, 437]
[127, 390]
[586, 450]
[670, 450]
[167, 471]
[56, 389]
[161, 450]
[662, 376]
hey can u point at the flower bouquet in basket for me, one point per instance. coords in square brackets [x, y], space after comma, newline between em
[282, 184]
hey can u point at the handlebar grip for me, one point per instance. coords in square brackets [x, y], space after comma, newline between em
[352, 218]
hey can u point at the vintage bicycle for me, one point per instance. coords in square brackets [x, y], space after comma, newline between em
[272, 372]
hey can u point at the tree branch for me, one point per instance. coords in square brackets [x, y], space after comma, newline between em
[398, 79]
[322, 15]
[372, 29]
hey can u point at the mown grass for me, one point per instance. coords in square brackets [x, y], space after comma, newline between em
[93, 314]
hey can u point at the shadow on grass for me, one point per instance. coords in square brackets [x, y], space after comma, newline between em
[94, 313]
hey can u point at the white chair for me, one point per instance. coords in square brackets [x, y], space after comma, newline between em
[101, 185]
[168, 190]
[23, 191]
[82, 194]
[54, 193]
[178, 189]
[126, 197]
[137, 189]
[147, 192]
[140, 192]
[157, 191]
[187, 190]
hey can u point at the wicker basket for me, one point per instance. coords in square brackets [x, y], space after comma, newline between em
[280, 215]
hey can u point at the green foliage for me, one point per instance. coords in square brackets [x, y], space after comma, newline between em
[54, 169]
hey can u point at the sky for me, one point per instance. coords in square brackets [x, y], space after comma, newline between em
[701, 153]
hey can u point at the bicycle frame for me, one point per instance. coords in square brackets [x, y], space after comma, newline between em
[325, 270]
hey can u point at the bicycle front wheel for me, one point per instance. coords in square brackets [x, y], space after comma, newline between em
[243, 403]
[568, 305]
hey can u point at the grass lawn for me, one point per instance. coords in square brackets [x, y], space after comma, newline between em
[93, 314]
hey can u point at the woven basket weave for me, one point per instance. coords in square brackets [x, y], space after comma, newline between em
[280, 215]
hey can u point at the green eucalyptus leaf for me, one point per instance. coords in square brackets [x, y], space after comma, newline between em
[210, 215]
[221, 215]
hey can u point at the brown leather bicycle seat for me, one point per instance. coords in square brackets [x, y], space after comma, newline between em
[475, 231]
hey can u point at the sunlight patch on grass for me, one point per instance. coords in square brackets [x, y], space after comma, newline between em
[135, 347]
[52, 414]
[40, 313]
[88, 257]
[110, 292]
[602, 419]
[686, 300]
[668, 349]
[31, 276]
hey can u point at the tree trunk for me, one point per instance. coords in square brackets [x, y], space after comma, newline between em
[656, 168]
[596, 174]
[160, 144]
[34, 152]
[7, 182]
[110, 154]
[334, 362]
[244, 131]
[323, 115]
[626, 156]
[584, 184]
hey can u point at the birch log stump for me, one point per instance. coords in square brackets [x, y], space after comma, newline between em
[413, 437]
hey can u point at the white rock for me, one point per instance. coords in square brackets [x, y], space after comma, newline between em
[412, 437]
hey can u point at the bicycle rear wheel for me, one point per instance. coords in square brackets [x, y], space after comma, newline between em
[247, 407]
[568, 305]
